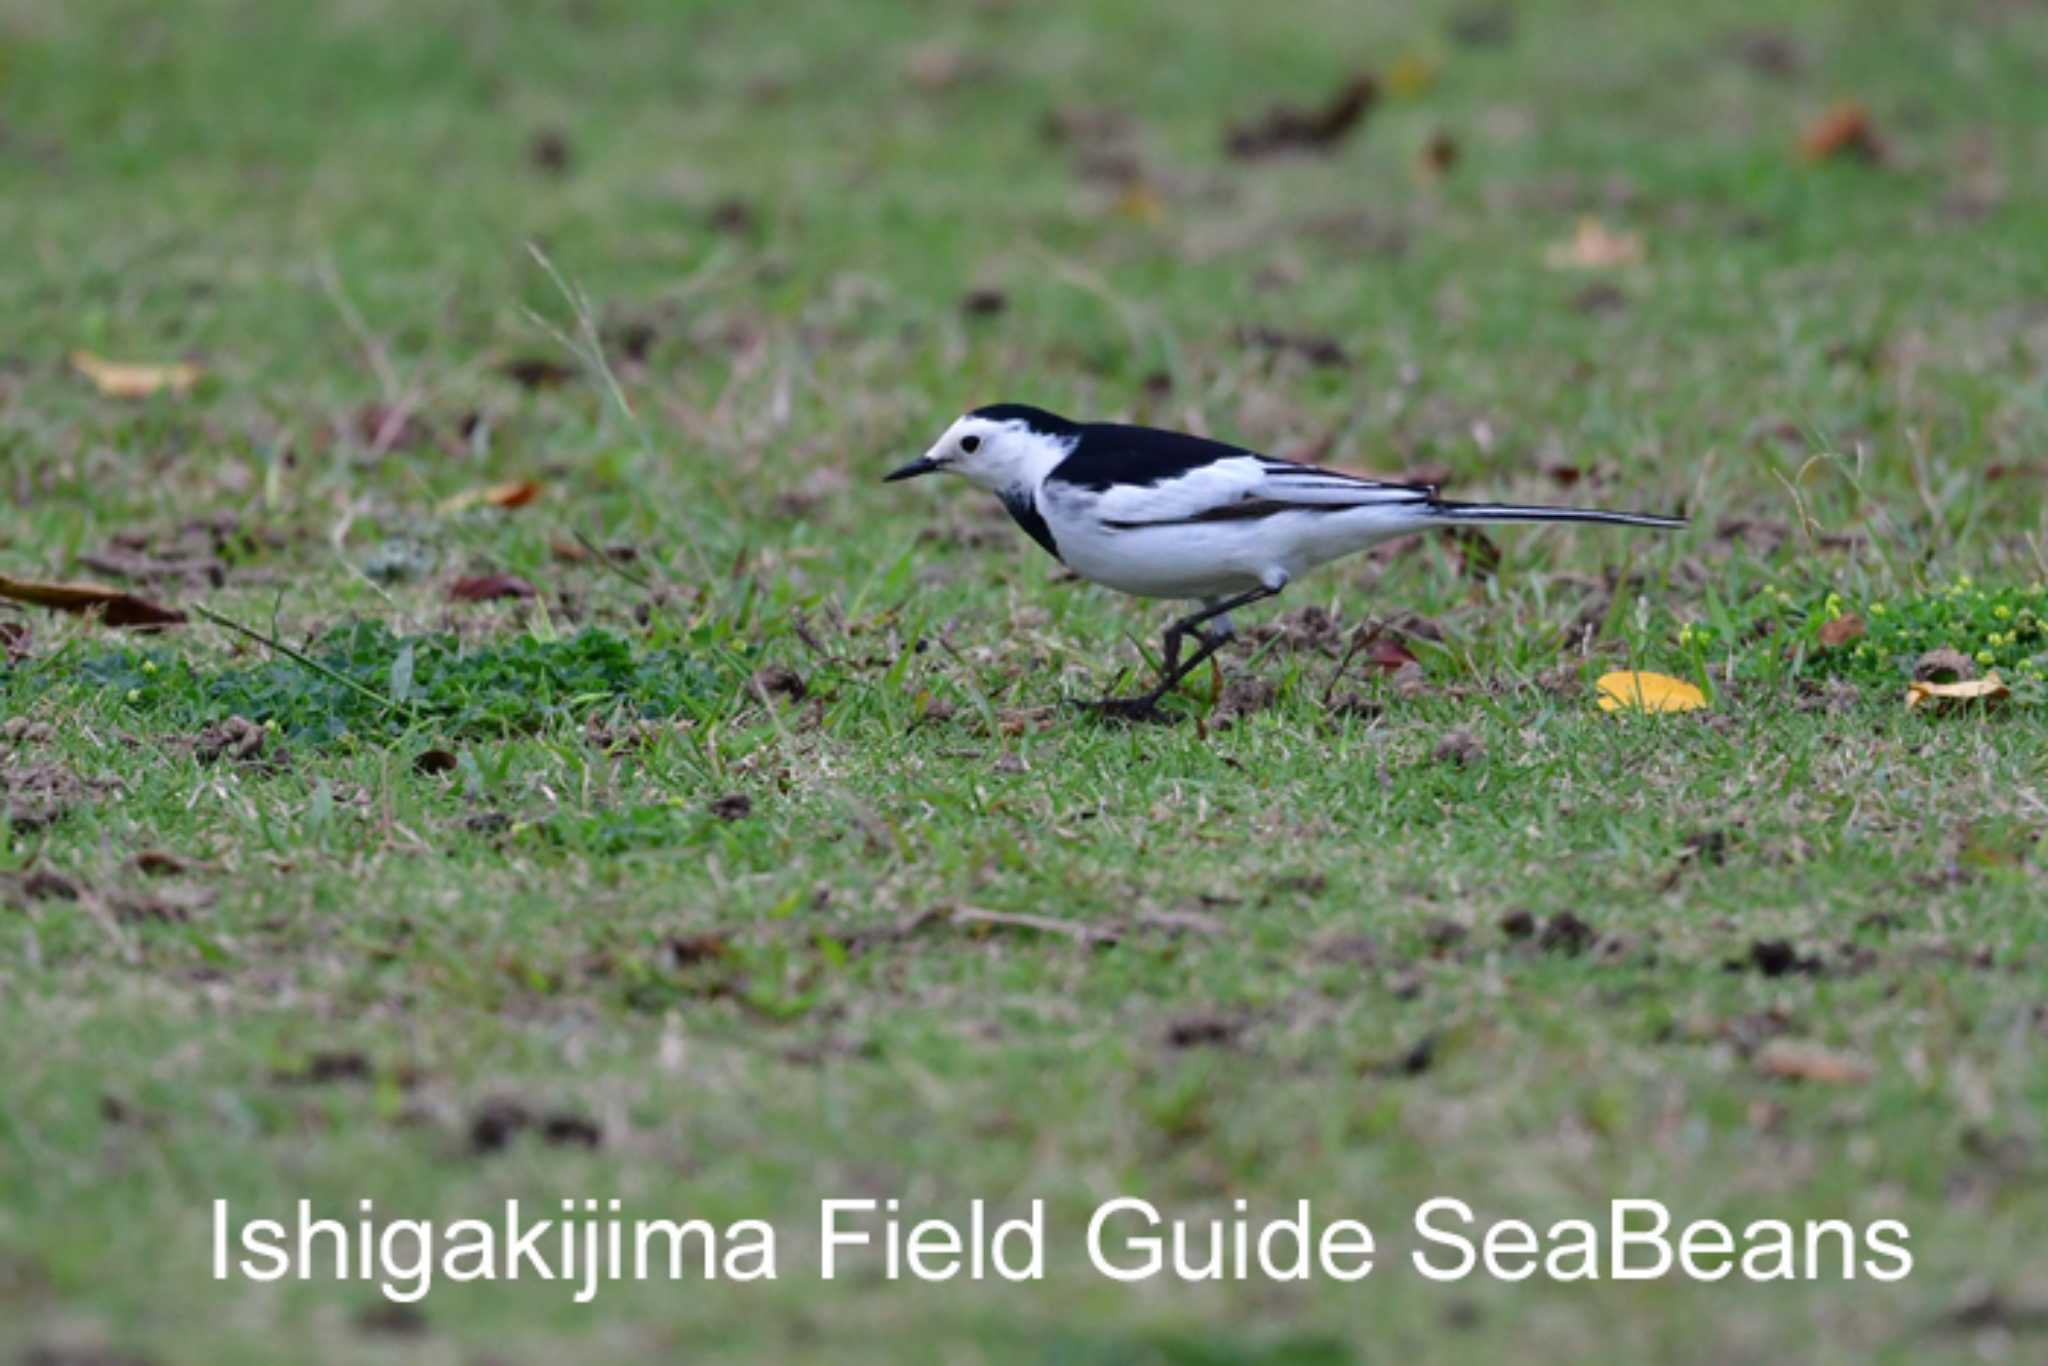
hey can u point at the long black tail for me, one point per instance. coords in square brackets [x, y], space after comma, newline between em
[1511, 512]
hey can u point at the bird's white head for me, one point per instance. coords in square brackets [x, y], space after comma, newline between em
[1005, 446]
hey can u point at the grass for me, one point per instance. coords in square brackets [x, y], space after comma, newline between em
[689, 882]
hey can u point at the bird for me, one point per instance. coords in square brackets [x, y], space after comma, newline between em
[1164, 514]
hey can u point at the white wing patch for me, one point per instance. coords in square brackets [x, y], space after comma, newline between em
[1248, 486]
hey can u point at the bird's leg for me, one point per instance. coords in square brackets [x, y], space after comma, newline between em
[1175, 668]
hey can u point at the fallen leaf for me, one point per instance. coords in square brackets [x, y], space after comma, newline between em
[777, 680]
[1944, 666]
[735, 217]
[1844, 131]
[1389, 655]
[1287, 128]
[490, 588]
[116, 379]
[1439, 153]
[516, 494]
[548, 150]
[1412, 74]
[1140, 203]
[1594, 247]
[1478, 556]
[1989, 688]
[733, 806]
[1796, 1060]
[1647, 692]
[237, 739]
[1460, 747]
[113, 606]
[984, 302]
[434, 761]
[941, 66]
[1203, 1029]
[537, 372]
[1839, 631]
[14, 641]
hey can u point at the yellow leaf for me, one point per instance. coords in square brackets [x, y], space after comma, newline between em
[1141, 204]
[1593, 247]
[516, 494]
[1988, 689]
[1647, 692]
[118, 380]
[1412, 74]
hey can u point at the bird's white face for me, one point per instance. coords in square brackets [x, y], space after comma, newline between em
[997, 455]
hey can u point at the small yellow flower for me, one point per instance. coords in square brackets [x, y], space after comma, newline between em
[1877, 609]
[1685, 635]
[2001, 611]
[1964, 581]
[1986, 657]
[135, 694]
[1834, 604]
[149, 666]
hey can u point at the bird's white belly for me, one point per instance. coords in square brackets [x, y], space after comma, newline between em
[1214, 558]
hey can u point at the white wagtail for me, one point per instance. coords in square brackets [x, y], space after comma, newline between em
[1166, 515]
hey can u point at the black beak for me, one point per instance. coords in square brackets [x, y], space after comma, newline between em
[924, 465]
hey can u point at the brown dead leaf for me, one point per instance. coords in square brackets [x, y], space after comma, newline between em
[1594, 247]
[1460, 747]
[1944, 666]
[490, 588]
[1844, 131]
[537, 372]
[1389, 655]
[515, 494]
[1478, 556]
[174, 905]
[1438, 155]
[984, 301]
[1408, 681]
[111, 605]
[777, 680]
[15, 638]
[116, 379]
[235, 740]
[159, 863]
[1291, 128]
[548, 149]
[1801, 1060]
[1839, 631]
[938, 66]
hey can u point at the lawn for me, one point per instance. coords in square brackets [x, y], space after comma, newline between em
[578, 777]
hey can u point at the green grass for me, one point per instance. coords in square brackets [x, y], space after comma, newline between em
[297, 961]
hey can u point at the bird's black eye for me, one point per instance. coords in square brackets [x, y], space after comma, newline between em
[970, 444]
